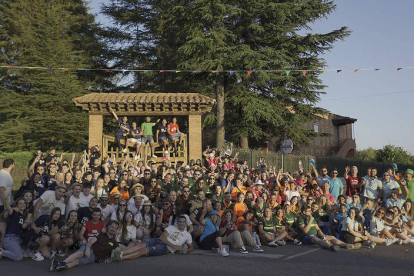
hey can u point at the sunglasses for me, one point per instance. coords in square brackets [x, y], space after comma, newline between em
[186, 191]
[122, 205]
[355, 196]
[124, 174]
[334, 173]
[147, 173]
[155, 181]
[165, 204]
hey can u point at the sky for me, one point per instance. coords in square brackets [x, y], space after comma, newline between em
[382, 38]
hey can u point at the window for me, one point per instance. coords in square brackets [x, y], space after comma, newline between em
[316, 126]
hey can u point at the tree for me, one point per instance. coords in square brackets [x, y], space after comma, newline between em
[259, 35]
[35, 105]
[391, 153]
[368, 154]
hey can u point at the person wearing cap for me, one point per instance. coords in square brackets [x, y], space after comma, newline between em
[257, 189]
[106, 209]
[137, 189]
[211, 236]
[145, 220]
[115, 198]
[50, 200]
[73, 200]
[409, 181]
[147, 135]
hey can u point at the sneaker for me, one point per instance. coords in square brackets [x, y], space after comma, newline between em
[154, 156]
[406, 241]
[125, 150]
[166, 152]
[52, 255]
[335, 248]
[257, 249]
[272, 243]
[37, 257]
[118, 254]
[282, 243]
[26, 253]
[353, 246]
[366, 243]
[60, 253]
[390, 241]
[53, 265]
[61, 266]
[243, 250]
[372, 245]
[297, 242]
[136, 157]
[223, 252]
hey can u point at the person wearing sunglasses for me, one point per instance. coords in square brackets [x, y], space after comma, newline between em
[163, 217]
[388, 185]
[336, 188]
[185, 200]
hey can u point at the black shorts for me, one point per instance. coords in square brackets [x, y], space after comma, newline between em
[1, 209]
[347, 237]
[209, 242]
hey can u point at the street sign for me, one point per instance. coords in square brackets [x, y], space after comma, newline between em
[287, 146]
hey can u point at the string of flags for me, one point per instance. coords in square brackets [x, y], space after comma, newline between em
[231, 72]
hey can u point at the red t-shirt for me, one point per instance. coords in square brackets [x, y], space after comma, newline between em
[230, 230]
[172, 128]
[165, 216]
[351, 185]
[93, 229]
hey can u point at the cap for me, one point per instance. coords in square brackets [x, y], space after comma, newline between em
[164, 200]
[211, 155]
[137, 185]
[214, 212]
[258, 182]
[116, 193]
[410, 171]
[104, 196]
[61, 186]
[147, 203]
[137, 195]
[76, 184]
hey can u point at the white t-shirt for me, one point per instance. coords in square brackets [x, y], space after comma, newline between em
[371, 187]
[387, 189]
[50, 202]
[321, 180]
[377, 225]
[73, 204]
[177, 237]
[131, 233]
[146, 221]
[354, 224]
[6, 181]
[121, 217]
[289, 194]
[107, 211]
[84, 200]
[134, 208]
[399, 202]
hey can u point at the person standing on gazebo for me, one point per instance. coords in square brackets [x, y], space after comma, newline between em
[147, 135]
[122, 131]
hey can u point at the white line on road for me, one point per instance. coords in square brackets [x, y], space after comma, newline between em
[301, 254]
[250, 255]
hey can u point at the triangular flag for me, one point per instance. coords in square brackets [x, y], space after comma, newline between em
[338, 71]
[10, 67]
[177, 71]
[304, 72]
[146, 71]
[356, 70]
[249, 73]
[49, 68]
[87, 70]
[162, 71]
[213, 71]
[66, 69]
[108, 70]
[287, 73]
[195, 71]
[377, 69]
[398, 69]
[321, 71]
[231, 73]
[31, 68]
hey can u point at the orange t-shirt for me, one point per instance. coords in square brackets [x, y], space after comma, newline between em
[239, 209]
[125, 195]
[236, 190]
[282, 190]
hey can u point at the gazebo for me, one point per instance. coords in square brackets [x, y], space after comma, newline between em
[192, 105]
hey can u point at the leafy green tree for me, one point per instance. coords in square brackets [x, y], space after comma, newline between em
[35, 105]
[368, 154]
[391, 153]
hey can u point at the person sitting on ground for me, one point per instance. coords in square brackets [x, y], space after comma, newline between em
[377, 227]
[96, 250]
[267, 230]
[171, 241]
[127, 235]
[145, 221]
[92, 227]
[310, 233]
[211, 236]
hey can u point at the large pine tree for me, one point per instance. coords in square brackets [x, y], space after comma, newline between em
[36, 110]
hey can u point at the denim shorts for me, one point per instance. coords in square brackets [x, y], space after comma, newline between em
[149, 138]
[84, 260]
[156, 247]
[308, 240]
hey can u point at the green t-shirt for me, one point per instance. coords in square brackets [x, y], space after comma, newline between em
[290, 218]
[147, 128]
[304, 221]
[279, 223]
[323, 215]
[410, 186]
[268, 225]
[316, 215]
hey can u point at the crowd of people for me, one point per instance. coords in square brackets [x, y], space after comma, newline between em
[103, 211]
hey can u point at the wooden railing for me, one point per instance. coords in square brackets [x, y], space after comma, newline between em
[110, 148]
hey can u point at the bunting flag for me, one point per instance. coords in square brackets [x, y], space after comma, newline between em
[231, 72]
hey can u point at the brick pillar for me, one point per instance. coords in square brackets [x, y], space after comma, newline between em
[194, 137]
[95, 130]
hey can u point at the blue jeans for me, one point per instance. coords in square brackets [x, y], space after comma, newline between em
[155, 247]
[12, 250]
[84, 260]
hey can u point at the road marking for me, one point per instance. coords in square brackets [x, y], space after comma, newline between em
[301, 254]
[249, 255]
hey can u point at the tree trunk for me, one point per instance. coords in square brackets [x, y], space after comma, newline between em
[244, 142]
[220, 130]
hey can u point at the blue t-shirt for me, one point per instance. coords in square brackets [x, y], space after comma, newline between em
[367, 215]
[120, 130]
[339, 218]
[335, 187]
[351, 205]
[134, 132]
[224, 184]
[209, 228]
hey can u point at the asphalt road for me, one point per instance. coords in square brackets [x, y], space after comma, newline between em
[289, 260]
